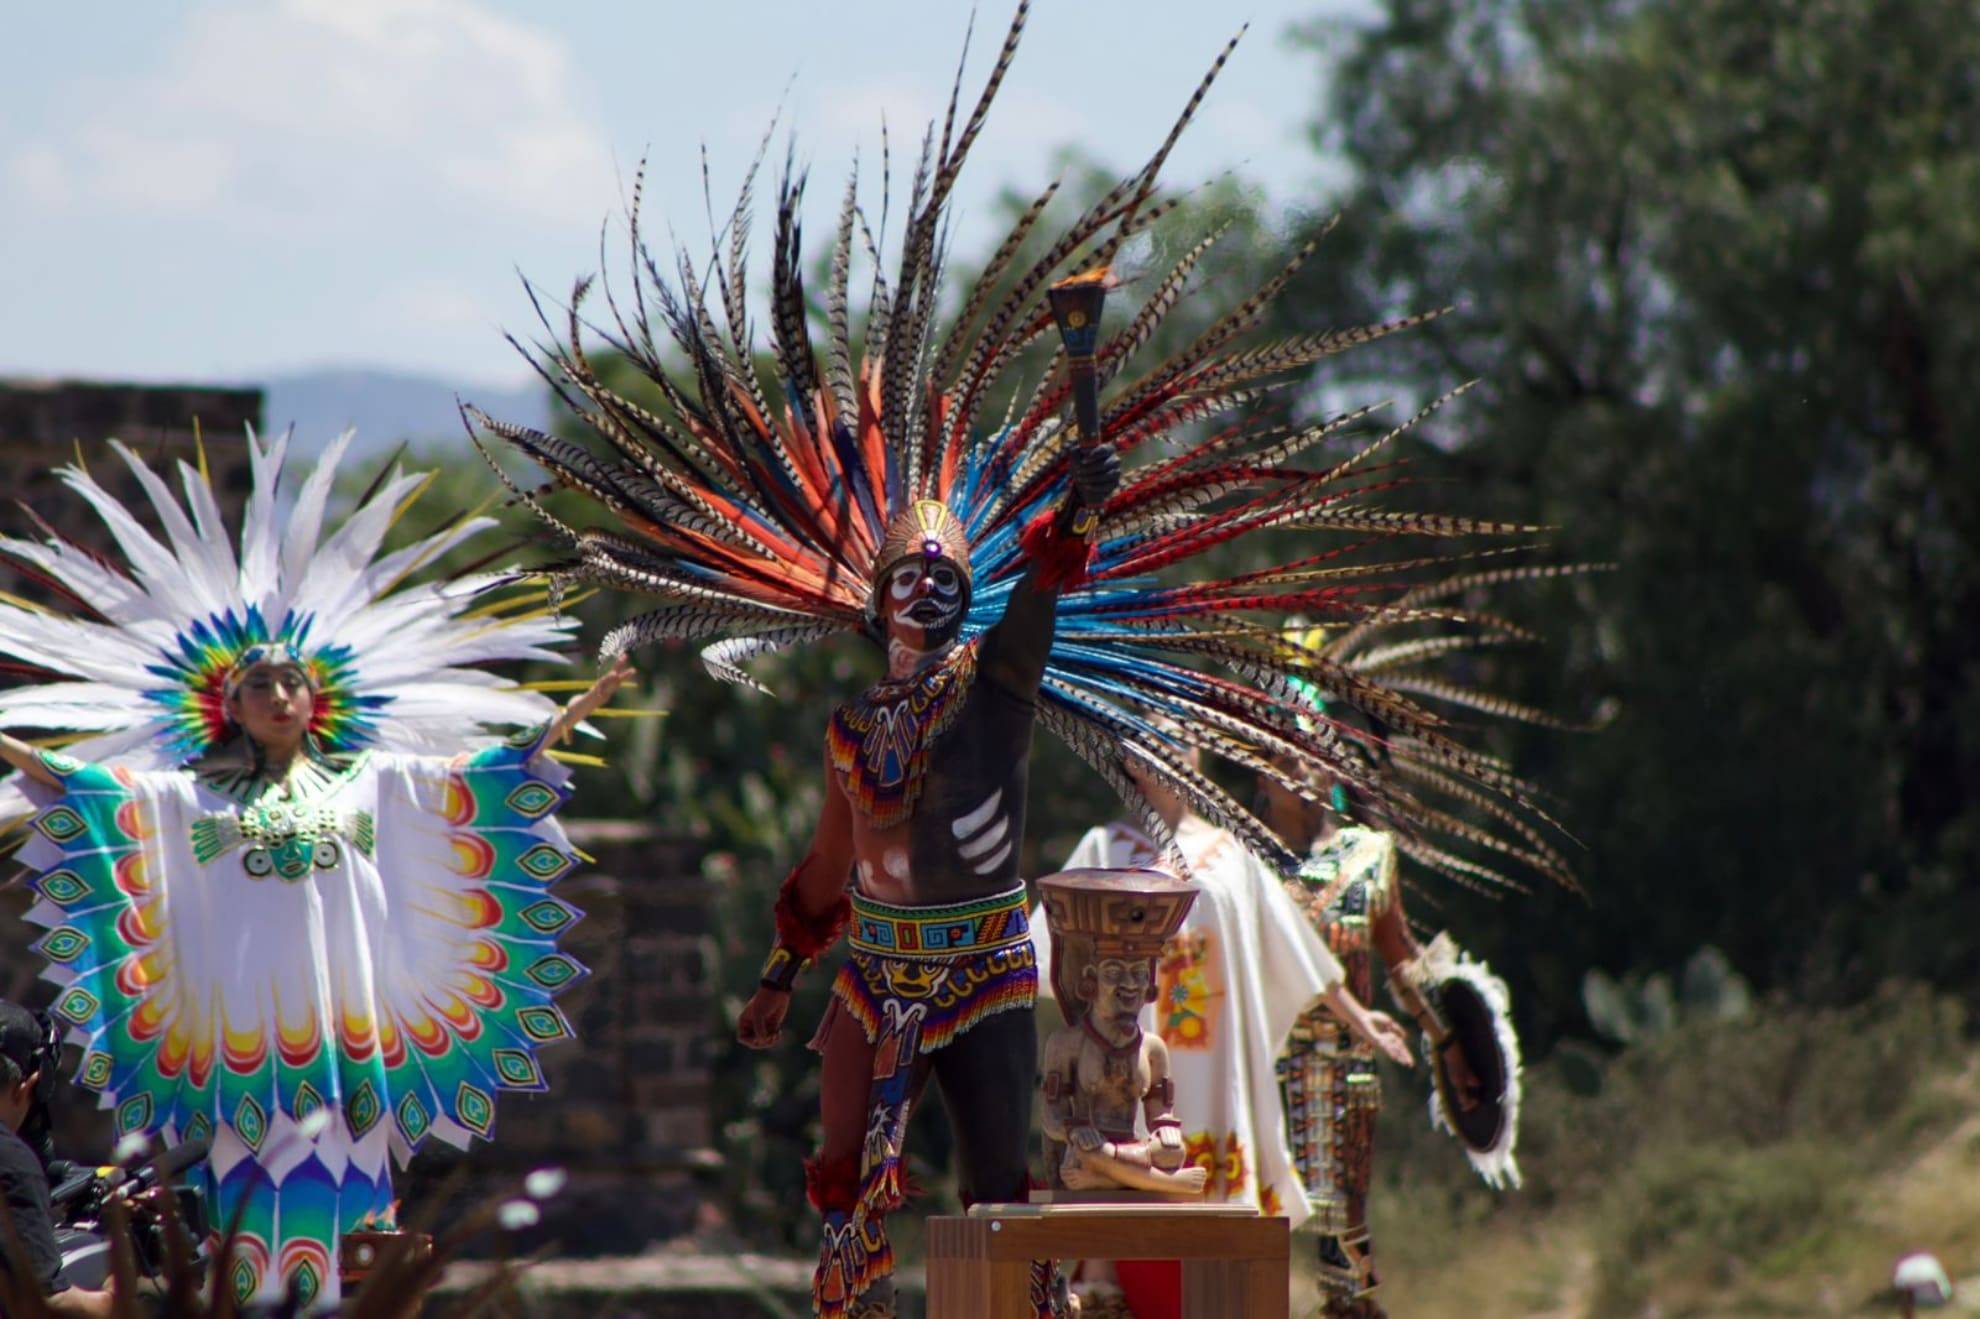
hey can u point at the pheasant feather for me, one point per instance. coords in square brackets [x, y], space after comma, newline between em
[754, 510]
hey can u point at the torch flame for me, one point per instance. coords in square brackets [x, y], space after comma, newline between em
[1103, 276]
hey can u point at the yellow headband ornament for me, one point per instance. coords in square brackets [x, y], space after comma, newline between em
[924, 529]
[1309, 640]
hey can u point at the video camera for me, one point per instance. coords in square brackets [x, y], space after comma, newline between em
[82, 1198]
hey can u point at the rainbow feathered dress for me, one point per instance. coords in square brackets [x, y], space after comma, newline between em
[318, 974]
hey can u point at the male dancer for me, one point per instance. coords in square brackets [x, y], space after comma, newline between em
[926, 775]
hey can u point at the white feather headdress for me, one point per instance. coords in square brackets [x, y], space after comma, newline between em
[138, 666]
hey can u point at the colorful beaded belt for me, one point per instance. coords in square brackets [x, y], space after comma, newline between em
[982, 926]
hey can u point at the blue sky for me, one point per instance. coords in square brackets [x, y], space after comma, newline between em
[224, 189]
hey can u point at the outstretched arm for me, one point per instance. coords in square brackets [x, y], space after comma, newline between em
[811, 907]
[1015, 650]
[27, 760]
[83, 1302]
[1390, 931]
[1376, 1028]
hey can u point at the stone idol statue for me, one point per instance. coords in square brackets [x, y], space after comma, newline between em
[1108, 927]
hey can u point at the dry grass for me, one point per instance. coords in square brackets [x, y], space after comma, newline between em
[1510, 1266]
[1775, 1166]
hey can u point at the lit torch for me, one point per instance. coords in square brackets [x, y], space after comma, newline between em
[1076, 305]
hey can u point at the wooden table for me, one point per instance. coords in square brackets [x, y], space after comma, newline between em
[979, 1265]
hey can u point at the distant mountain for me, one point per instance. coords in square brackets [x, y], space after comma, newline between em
[387, 406]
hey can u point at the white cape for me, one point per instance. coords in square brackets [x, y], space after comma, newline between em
[1230, 986]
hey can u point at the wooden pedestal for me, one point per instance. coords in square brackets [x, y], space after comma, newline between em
[1233, 1263]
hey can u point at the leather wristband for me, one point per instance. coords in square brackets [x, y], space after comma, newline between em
[781, 969]
[1416, 1001]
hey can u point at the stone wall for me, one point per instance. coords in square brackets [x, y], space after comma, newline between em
[62, 411]
[45, 424]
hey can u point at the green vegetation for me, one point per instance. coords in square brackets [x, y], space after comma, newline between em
[1716, 264]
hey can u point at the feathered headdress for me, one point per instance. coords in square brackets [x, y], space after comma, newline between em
[140, 669]
[758, 513]
[1405, 650]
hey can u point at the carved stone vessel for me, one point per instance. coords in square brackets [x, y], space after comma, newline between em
[1101, 1071]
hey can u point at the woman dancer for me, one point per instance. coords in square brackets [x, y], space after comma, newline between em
[296, 895]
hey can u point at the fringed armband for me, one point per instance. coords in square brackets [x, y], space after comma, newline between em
[832, 1186]
[800, 938]
[1059, 554]
[1432, 964]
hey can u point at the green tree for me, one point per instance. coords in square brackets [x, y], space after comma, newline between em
[1717, 261]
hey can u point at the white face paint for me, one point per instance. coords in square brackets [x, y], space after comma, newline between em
[926, 595]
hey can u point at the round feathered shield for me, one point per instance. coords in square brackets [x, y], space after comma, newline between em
[1474, 1030]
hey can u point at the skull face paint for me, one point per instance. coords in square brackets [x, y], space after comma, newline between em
[924, 601]
[921, 585]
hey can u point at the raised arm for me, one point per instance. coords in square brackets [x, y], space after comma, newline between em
[28, 760]
[812, 910]
[1015, 650]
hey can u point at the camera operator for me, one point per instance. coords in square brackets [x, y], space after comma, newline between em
[29, 1051]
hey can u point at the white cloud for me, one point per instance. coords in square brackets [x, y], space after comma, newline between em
[39, 176]
[435, 306]
[321, 113]
[1027, 124]
[856, 111]
[133, 168]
